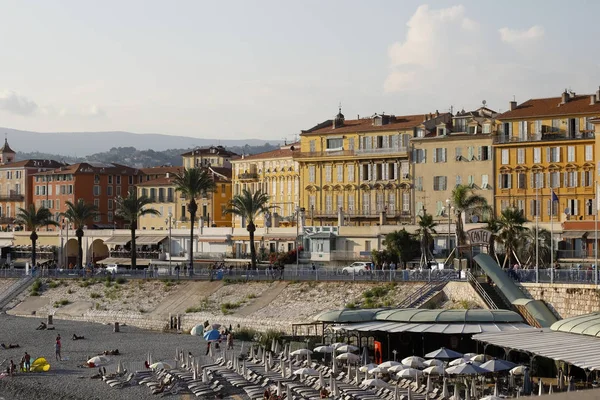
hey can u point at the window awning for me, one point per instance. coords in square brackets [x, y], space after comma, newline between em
[141, 240]
[112, 260]
[573, 234]
[213, 239]
[281, 237]
[579, 350]
[118, 240]
[246, 238]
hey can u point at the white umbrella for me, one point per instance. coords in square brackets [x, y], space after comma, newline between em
[409, 394]
[374, 383]
[492, 398]
[377, 370]
[456, 395]
[119, 367]
[336, 391]
[541, 388]
[204, 375]
[413, 362]
[331, 383]
[467, 395]
[367, 367]
[497, 365]
[434, 370]
[288, 392]
[474, 388]
[336, 345]
[282, 368]
[346, 348]
[301, 352]
[98, 360]
[480, 358]
[269, 359]
[276, 348]
[469, 355]
[518, 370]
[306, 371]
[149, 358]
[458, 361]
[279, 388]
[396, 393]
[444, 354]
[432, 362]
[466, 369]
[348, 357]
[266, 367]
[396, 368]
[389, 364]
[445, 392]
[496, 389]
[321, 380]
[251, 356]
[411, 373]
[323, 349]
[197, 330]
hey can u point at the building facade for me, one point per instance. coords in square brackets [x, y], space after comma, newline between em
[275, 173]
[216, 156]
[547, 146]
[454, 154]
[357, 172]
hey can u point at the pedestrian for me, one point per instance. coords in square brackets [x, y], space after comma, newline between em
[12, 368]
[207, 348]
[58, 348]
[26, 360]
[314, 267]
[230, 341]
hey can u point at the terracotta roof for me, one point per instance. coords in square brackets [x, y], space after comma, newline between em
[158, 182]
[34, 163]
[217, 151]
[551, 106]
[161, 170]
[269, 155]
[93, 168]
[226, 172]
[366, 125]
[6, 148]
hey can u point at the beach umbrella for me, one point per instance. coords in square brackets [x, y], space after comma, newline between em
[480, 358]
[466, 369]
[467, 395]
[336, 345]
[550, 391]
[367, 367]
[149, 358]
[282, 368]
[347, 348]
[279, 388]
[331, 383]
[474, 388]
[444, 354]
[519, 370]
[210, 351]
[336, 390]
[276, 347]
[306, 372]
[374, 383]
[410, 373]
[251, 355]
[396, 368]
[98, 360]
[492, 398]
[323, 349]
[349, 357]
[160, 365]
[434, 370]
[266, 367]
[377, 370]
[119, 367]
[364, 357]
[264, 356]
[288, 392]
[413, 362]
[308, 360]
[301, 352]
[445, 392]
[290, 366]
[211, 335]
[321, 380]
[270, 359]
[197, 330]
[204, 375]
[526, 382]
[214, 326]
[496, 365]
[389, 364]
[458, 361]
[273, 345]
[429, 385]
[456, 395]
[432, 362]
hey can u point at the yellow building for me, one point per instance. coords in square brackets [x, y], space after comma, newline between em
[544, 146]
[357, 172]
[216, 156]
[453, 154]
[277, 174]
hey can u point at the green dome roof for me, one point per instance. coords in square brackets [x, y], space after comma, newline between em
[587, 324]
[448, 316]
[347, 315]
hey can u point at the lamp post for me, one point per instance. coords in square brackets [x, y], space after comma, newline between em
[297, 233]
[169, 222]
[450, 209]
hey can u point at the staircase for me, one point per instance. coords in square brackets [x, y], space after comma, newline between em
[489, 294]
[421, 295]
[16, 289]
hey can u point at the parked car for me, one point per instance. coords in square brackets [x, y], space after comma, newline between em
[115, 269]
[358, 268]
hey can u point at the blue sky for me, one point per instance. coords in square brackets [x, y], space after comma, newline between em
[267, 69]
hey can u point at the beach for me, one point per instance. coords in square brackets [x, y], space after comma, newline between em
[66, 380]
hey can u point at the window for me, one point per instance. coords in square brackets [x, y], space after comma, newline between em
[537, 155]
[366, 204]
[520, 156]
[350, 203]
[485, 184]
[571, 154]
[70, 189]
[439, 155]
[313, 146]
[589, 207]
[487, 128]
[458, 180]
[379, 202]
[471, 181]
[311, 173]
[110, 204]
[378, 172]
[405, 169]
[458, 153]
[110, 179]
[335, 144]
[537, 180]
[573, 204]
[97, 203]
[328, 173]
[419, 184]
[537, 126]
[351, 144]
[589, 152]
[109, 190]
[419, 208]
[521, 206]
[406, 202]
[523, 129]
[340, 173]
[439, 183]
[118, 193]
[505, 181]
[118, 179]
[328, 203]
[392, 171]
[505, 156]
[553, 154]
[534, 208]
[554, 179]
[556, 125]
[521, 180]
[485, 153]
[419, 156]
[504, 204]
[312, 201]
[350, 172]
[586, 178]
[96, 190]
[340, 202]
[130, 180]
[571, 179]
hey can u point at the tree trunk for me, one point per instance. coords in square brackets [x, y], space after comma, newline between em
[251, 228]
[79, 234]
[133, 252]
[192, 208]
[459, 230]
[33, 238]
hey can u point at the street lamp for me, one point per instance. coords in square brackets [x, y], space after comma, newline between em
[169, 223]
[450, 211]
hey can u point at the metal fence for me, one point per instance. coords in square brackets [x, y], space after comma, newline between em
[553, 275]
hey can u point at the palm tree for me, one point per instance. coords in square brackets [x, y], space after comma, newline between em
[80, 214]
[464, 200]
[527, 249]
[425, 234]
[193, 183]
[494, 228]
[511, 230]
[32, 219]
[248, 206]
[130, 209]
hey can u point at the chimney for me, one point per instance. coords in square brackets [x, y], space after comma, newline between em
[598, 95]
[565, 97]
[167, 175]
[512, 105]
[592, 100]
[437, 113]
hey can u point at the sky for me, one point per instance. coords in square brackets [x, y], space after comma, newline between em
[267, 69]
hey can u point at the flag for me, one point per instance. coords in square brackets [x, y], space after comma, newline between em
[554, 197]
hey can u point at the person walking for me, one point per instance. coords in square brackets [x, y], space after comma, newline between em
[230, 341]
[58, 348]
[26, 362]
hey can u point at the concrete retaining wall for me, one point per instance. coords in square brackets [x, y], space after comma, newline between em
[463, 291]
[565, 300]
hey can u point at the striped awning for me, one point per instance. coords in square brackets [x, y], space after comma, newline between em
[141, 240]
[118, 240]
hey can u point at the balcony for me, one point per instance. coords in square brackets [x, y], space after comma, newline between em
[543, 137]
[12, 196]
[248, 176]
[382, 151]
[320, 154]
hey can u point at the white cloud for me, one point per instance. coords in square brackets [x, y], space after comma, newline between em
[15, 103]
[516, 36]
[92, 111]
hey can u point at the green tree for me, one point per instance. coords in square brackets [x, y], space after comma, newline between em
[464, 200]
[511, 230]
[403, 244]
[248, 206]
[494, 228]
[80, 214]
[130, 209]
[193, 183]
[32, 219]
[527, 247]
[425, 234]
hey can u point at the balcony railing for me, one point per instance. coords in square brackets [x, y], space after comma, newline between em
[543, 137]
[335, 153]
[360, 213]
[152, 255]
[162, 199]
[388, 150]
[248, 176]
[12, 196]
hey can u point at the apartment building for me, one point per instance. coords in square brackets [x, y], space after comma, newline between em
[275, 173]
[216, 156]
[547, 145]
[357, 172]
[452, 154]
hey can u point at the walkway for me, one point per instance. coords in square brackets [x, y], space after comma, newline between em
[188, 294]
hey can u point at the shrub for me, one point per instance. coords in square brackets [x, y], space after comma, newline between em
[351, 306]
[193, 309]
[121, 280]
[70, 291]
[53, 284]
[266, 338]
[245, 334]
[60, 303]
[95, 295]
[34, 293]
[251, 296]
[37, 286]
[227, 307]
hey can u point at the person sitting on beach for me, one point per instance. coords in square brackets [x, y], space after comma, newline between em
[146, 365]
[75, 337]
[323, 393]
[114, 352]
[10, 346]
[42, 326]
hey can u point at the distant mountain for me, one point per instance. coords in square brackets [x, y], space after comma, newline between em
[138, 158]
[81, 144]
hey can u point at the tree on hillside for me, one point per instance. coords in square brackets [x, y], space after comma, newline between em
[248, 206]
[80, 214]
[32, 219]
[192, 184]
[130, 209]
[403, 244]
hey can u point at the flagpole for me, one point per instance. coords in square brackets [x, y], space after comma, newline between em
[596, 239]
[552, 236]
[537, 242]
